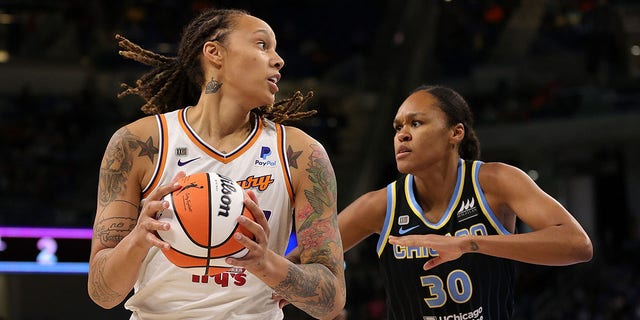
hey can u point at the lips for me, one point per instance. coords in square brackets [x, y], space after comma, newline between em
[402, 152]
[402, 149]
[273, 80]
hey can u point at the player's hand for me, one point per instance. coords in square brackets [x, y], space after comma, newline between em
[257, 258]
[280, 299]
[146, 229]
[448, 248]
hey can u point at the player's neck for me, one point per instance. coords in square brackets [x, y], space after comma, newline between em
[434, 187]
[221, 128]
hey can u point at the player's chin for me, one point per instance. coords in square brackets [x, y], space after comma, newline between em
[402, 167]
[267, 100]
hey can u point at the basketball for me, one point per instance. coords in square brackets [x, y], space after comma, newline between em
[202, 215]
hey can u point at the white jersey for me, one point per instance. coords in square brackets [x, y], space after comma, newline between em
[164, 291]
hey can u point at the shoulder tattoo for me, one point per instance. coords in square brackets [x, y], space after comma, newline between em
[118, 162]
[292, 157]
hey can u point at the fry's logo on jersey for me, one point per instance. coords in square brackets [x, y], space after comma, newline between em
[235, 276]
[261, 183]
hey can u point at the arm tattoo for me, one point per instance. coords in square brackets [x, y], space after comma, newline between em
[324, 191]
[99, 288]
[116, 166]
[318, 238]
[292, 156]
[296, 287]
[128, 202]
[474, 246]
[111, 230]
[118, 162]
[146, 148]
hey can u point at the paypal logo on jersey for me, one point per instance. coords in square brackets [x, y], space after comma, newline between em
[265, 152]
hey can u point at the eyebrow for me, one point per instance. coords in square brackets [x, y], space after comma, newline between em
[411, 115]
[414, 114]
[265, 32]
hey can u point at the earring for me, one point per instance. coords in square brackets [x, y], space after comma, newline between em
[212, 86]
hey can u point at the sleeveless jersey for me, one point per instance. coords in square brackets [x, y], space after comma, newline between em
[473, 287]
[164, 291]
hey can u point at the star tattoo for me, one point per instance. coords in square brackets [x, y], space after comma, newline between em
[293, 157]
[147, 149]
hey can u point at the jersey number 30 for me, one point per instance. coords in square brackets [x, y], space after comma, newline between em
[458, 288]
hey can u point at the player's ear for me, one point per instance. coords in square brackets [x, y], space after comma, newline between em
[212, 51]
[457, 133]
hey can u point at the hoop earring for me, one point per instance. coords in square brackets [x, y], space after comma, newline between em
[212, 86]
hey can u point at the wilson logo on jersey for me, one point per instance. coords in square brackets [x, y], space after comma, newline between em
[467, 209]
[261, 183]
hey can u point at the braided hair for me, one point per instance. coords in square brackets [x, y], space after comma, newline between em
[457, 111]
[175, 82]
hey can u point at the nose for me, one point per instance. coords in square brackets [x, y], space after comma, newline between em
[403, 136]
[278, 62]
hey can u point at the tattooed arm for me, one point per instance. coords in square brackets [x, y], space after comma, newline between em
[121, 240]
[316, 285]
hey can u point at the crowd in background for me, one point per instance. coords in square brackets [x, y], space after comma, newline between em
[54, 143]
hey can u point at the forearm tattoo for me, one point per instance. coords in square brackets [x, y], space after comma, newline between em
[302, 288]
[110, 231]
[474, 246]
[100, 291]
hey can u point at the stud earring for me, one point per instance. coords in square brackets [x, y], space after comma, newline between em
[212, 86]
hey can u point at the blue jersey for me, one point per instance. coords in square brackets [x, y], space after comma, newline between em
[473, 287]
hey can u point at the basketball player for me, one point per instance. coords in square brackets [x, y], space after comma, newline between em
[205, 115]
[447, 226]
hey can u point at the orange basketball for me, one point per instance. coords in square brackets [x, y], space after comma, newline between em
[202, 215]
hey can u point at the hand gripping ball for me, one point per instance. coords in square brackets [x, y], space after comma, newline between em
[202, 215]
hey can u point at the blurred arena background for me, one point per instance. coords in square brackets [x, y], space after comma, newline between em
[554, 86]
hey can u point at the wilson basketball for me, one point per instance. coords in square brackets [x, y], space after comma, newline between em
[202, 215]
